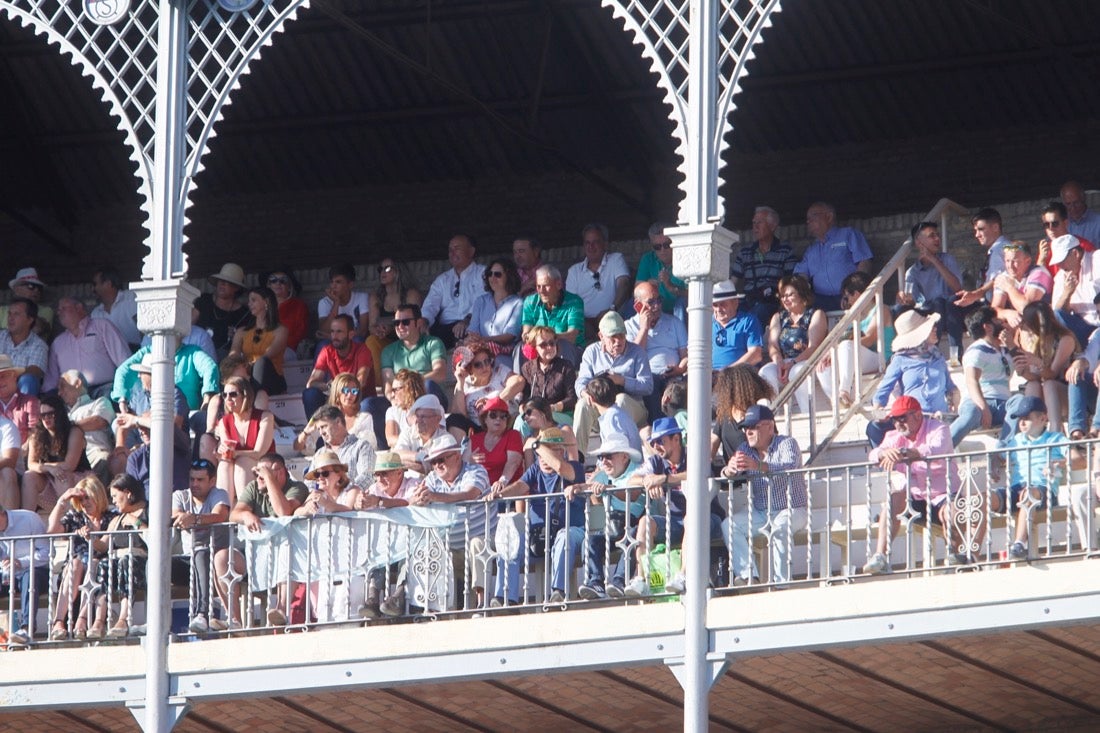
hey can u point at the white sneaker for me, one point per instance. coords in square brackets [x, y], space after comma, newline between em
[877, 565]
[637, 588]
[199, 625]
[18, 638]
[677, 584]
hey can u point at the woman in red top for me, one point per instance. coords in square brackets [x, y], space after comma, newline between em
[499, 448]
[292, 310]
[244, 434]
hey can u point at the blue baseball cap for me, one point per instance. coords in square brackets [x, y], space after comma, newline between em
[755, 414]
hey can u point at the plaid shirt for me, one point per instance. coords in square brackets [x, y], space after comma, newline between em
[32, 352]
[770, 490]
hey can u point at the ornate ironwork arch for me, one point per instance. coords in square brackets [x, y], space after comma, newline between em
[662, 29]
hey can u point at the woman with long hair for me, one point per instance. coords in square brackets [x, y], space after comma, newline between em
[79, 512]
[343, 393]
[263, 341]
[293, 312]
[244, 434]
[234, 365]
[55, 455]
[394, 288]
[1045, 349]
[123, 572]
[537, 415]
[407, 387]
[496, 313]
[736, 389]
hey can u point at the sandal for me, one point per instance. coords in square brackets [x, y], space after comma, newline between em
[119, 632]
[80, 629]
[98, 630]
[59, 632]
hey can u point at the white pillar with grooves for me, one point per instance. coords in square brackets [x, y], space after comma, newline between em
[701, 256]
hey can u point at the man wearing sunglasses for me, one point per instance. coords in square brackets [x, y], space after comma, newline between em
[656, 266]
[738, 337]
[26, 284]
[450, 301]
[601, 279]
[1055, 222]
[664, 339]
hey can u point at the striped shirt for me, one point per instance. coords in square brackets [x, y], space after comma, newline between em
[770, 490]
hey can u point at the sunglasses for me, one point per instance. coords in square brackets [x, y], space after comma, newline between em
[480, 364]
[349, 390]
[404, 321]
[901, 418]
[1051, 224]
[546, 344]
[652, 301]
[598, 285]
[385, 268]
[31, 286]
[529, 412]
[496, 415]
[278, 280]
[458, 288]
[496, 273]
[325, 473]
[605, 458]
[661, 247]
[44, 414]
[230, 395]
[201, 463]
[438, 460]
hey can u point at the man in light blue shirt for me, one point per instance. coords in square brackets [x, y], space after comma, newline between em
[931, 283]
[987, 230]
[664, 339]
[1082, 222]
[449, 305]
[835, 253]
[622, 362]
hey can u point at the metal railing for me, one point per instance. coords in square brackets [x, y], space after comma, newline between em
[813, 526]
[846, 330]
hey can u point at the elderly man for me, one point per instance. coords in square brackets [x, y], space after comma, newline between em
[931, 283]
[23, 569]
[664, 339]
[778, 508]
[987, 232]
[601, 279]
[527, 254]
[94, 417]
[449, 305]
[193, 510]
[221, 313]
[1083, 223]
[625, 364]
[557, 522]
[1076, 286]
[272, 494]
[10, 445]
[25, 347]
[758, 267]
[917, 479]
[738, 337]
[26, 284]
[21, 409]
[1021, 283]
[341, 355]
[656, 267]
[835, 253]
[356, 454]
[556, 308]
[425, 424]
[115, 304]
[93, 347]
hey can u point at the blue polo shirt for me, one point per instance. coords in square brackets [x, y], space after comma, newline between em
[551, 483]
[834, 257]
[733, 341]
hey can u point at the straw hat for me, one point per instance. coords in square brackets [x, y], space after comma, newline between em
[231, 272]
[325, 458]
[913, 329]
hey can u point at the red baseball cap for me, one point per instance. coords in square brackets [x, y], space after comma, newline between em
[903, 405]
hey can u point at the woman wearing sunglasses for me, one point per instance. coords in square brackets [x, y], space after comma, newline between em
[475, 382]
[292, 310]
[335, 491]
[346, 394]
[536, 415]
[499, 448]
[245, 433]
[406, 387]
[394, 288]
[496, 313]
[233, 365]
[55, 456]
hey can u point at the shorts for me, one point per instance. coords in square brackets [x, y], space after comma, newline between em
[1014, 499]
[920, 506]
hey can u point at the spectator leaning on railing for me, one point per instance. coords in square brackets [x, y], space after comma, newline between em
[23, 569]
[199, 505]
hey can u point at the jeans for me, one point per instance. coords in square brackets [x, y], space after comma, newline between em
[1083, 396]
[23, 580]
[970, 418]
[778, 527]
[566, 546]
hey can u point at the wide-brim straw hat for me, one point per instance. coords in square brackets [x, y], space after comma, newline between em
[231, 272]
[325, 458]
[912, 329]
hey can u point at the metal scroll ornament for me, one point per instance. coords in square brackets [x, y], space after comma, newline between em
[106, 12]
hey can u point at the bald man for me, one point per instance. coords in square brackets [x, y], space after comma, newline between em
[664, 339]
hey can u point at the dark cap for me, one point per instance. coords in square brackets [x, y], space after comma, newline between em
[1028, 405]
[755, 414]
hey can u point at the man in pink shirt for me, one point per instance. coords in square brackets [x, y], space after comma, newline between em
[917, 479]
[94, 348]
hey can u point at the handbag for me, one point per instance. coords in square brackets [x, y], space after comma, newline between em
[662, 565]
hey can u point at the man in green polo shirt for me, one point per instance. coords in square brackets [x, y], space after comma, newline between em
[552, 306]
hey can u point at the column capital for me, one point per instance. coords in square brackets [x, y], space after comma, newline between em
[701, 251]
[164, 305]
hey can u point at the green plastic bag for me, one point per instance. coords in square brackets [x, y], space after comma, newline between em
[662, 566]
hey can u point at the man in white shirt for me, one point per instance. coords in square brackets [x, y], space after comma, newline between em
[447, 308]
[602, 279]
[1076, 285]
[117, 305]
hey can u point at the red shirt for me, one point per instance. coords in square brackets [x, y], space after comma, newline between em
[23, 411]
[294, 315]
[498, 456]
[331, 363]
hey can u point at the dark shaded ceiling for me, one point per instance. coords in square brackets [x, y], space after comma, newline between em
[378, 93]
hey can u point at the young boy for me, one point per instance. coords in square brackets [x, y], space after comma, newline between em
[1032, 472]
[600, 393]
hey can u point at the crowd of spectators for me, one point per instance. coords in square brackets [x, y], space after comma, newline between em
[497, 383]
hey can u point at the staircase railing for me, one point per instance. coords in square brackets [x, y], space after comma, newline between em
[847, 328]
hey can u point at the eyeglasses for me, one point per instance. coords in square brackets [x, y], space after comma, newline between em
[278, 280]
[458, 288]
[230, 395]
[385, 268]
[496, 273]
[403, 321]
[396, 386]
[1051, 224]
[546, 344]
[480, 364]
[652, 301]
[598, 285]
[438, 460]
[529, 412]
[201, 463]
[495, 415]
[30, 286]
[605, 458]
[660, 246]
[901, 418]
[349, 390]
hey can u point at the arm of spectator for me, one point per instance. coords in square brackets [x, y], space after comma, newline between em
[243, 515]
[317, 379]
[434, 302]
[640, 381]
[278, 344]
[752, 356]
[865, 266]
[516, 488]
[125, 377]
[1062, 356]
